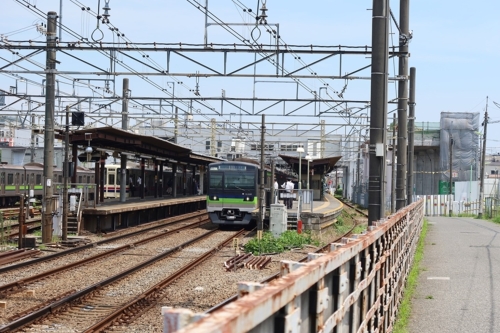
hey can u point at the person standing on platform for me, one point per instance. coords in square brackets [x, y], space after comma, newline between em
[285, 197]
[131, 185]
[139, 185]
[289, 192]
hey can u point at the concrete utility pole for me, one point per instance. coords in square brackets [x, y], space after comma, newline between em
[483, 159]
[32, 146]
[123, 158]
[404, 14]
[65, 179]
[48, 156]
[451, 176]
[411, 135]
[378, 110]
[273, 176]
[262, 196]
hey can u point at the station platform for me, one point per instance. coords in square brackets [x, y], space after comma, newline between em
[315, 216]
[113, 214]
[458, 288]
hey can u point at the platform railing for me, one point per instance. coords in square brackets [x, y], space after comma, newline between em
[356, 287]
[304, 199]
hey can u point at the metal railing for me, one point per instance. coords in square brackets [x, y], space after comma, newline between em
[356, 287]
[302, 200]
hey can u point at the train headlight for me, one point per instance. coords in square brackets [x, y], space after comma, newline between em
[215, 198]
[248, 199]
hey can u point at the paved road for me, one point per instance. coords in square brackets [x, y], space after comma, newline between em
[459, 286]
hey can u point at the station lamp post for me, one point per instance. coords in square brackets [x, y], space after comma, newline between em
[300, 150]
[309, 159]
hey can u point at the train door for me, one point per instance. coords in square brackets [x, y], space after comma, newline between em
[110, 183]
[10, 187]
[31, 182]
[17, 182]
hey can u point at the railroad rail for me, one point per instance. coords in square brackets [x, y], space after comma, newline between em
[356, 287]
[275, 276]
[157, 225]
[9, 288]
[347, 203]
[136, 307]
[13, 255]
[9, 227]
[46, 313]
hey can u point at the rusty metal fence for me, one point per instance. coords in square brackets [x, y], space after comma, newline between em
[356, 287]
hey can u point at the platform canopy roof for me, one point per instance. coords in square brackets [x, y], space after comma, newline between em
[320, 166]
[121, 141]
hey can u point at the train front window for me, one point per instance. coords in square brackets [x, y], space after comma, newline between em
[240, 181]
[215, 181]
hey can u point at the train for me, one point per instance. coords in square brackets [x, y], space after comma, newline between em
[17, 180]
[232, 193]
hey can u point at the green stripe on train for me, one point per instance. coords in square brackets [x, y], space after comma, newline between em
[37, 187]
[233, 201]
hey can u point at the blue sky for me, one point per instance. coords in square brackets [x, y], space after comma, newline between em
[455, 47]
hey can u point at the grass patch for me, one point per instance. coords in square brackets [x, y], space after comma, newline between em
[466, 215]
[341, 226]
[288, 240]
[429, 297]
[359, 229]
[401, 324]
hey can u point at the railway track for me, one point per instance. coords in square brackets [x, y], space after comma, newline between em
[10, 228]
[90, 247]
[274, 276]
[18, 285]
[104, 300]
[362, 212]
[149, 320]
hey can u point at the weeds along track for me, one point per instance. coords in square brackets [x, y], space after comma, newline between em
[78, 311]
[276, 274]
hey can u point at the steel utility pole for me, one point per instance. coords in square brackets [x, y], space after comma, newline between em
[48, 144]
[123, 158]
[411, 135]
[404, 37]
[393, 165]
[378, 110]
[483, 159]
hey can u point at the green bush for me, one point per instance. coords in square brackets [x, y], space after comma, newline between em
[269, 244]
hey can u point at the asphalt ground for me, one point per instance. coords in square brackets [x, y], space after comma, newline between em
[458, 288]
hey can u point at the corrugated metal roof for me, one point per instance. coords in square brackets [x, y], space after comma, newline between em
[119, 140]
[322, 165]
